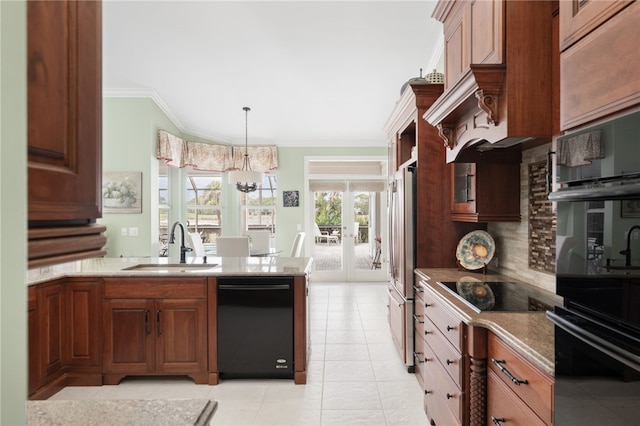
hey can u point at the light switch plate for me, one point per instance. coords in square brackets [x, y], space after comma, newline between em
[133, 231]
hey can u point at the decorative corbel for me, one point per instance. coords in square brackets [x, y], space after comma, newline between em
[447, 133]
[489, 104]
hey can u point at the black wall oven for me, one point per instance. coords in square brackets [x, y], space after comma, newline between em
[597, 330]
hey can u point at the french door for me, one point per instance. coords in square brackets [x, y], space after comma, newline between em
[348, 219]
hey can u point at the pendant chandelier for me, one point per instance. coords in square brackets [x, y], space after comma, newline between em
[246, 180]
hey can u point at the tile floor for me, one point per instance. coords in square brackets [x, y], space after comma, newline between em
[355, 375]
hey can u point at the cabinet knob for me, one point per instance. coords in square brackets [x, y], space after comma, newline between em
[449, 362]
[449, 396]
[449, 328]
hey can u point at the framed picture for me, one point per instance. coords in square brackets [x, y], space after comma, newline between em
[122, 192]
[630, 208]
[290, 198]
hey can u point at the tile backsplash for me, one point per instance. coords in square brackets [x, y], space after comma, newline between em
[512, 238]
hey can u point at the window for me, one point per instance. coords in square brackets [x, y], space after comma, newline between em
[204, 209]
[261, 204]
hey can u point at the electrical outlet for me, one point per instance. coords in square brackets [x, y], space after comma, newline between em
[123, 232]
[133, 231]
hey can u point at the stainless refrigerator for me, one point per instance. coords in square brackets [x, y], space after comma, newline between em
[402, 261]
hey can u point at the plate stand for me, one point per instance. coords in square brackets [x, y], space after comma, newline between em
[483, 269]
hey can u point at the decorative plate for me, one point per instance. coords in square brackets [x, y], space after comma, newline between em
[475, 250]
[478, 294]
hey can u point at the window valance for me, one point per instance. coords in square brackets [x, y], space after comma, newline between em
[177, 152]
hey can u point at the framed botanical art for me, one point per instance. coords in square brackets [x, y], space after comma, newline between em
[122, 192]
[630, 208]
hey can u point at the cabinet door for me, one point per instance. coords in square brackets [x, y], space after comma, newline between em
[50, 324]
[181, 333]
[34, 340]
[83, 330]
[128, 339]
[463, 188]
[64, 109]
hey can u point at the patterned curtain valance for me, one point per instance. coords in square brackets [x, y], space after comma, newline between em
[177, 152]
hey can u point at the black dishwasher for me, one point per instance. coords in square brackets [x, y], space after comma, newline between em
[255, 327]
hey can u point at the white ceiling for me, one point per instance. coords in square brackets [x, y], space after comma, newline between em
[314, 73]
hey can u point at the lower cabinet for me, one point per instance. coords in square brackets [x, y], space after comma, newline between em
[155, 327]
[64, 335]
[516, 389]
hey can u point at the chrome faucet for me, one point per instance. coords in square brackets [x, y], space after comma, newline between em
[183, 249]
[627, 252]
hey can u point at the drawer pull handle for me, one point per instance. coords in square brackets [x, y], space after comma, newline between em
[427, 332]
[498, 420]
[449, 396]
[417, 319]
[449, 328]
[498, 363]
[416, 356]
[426, 305]
[427, 392]
[146, 323]
[418, 289]
[449, 362]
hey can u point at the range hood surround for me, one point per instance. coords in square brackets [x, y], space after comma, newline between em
[473, 116]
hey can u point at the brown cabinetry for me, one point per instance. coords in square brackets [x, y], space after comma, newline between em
[155, 326]
[497, 54]
[485, 192]
[64, 130]
[64, 335]
[599, 74]
[516, 389]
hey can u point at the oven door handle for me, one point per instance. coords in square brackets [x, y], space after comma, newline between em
[595, 341]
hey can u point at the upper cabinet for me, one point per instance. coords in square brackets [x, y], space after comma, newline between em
[498, 75]
[599, 74]
[64, 48]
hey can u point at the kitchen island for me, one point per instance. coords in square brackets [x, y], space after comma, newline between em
[95, 321]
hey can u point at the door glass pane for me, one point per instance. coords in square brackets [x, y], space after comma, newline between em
[328, 231]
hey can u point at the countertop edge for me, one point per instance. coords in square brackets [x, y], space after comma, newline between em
[536, 347]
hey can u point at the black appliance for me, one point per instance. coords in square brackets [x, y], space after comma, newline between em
[501, 296]
[597, 330]
[255, 327]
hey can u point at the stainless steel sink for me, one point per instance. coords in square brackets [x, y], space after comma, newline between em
[172, 267]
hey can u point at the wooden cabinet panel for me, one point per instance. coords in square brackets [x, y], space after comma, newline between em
[182, 335]
[50, 313]
[445, 400]
[487, 29]
[33, 340]
[64, 109]
[448, 324]
[83, 319]
[535, 388]
[64, 119]
[128, 340]
[579, 18]
[599, 73]
[504, 408]
[451, 359]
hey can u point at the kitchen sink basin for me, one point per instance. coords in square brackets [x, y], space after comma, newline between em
[172, 267]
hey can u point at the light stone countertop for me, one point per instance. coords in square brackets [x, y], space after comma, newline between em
[216, 266]
[530, 333]
[157, 412]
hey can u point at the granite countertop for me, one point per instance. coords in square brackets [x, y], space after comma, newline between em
[157, 412]
[530, 333]
[215, 266]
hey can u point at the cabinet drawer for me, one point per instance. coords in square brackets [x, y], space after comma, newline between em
[503, 404]
[537, 392]
[177, 288]
[450, 326]
[448, 356]
[419, 359]
[443, 397]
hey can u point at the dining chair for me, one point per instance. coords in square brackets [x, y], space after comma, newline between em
[296, 248]
[259, 240]
[195, 242]
[232, 246]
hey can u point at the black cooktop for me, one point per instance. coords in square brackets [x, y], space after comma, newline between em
[501, 296]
